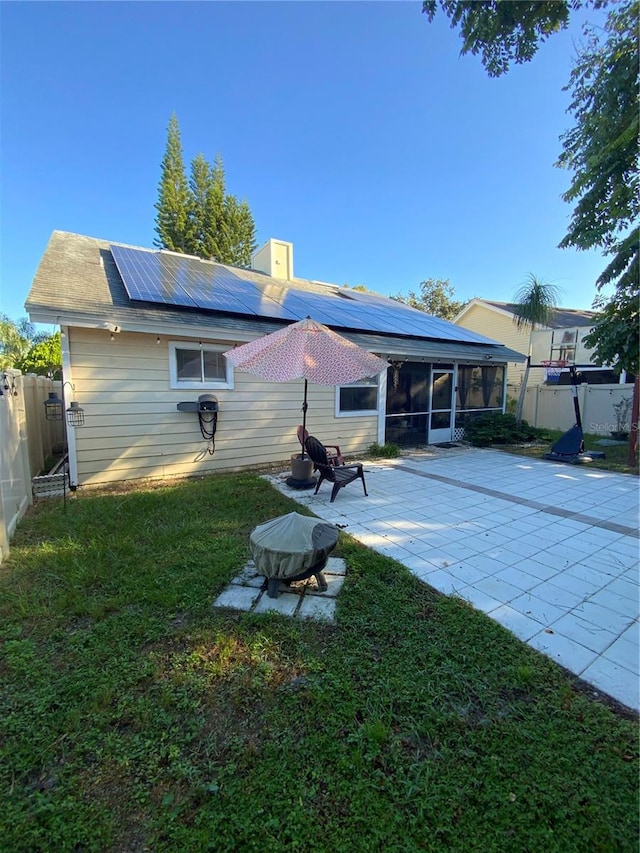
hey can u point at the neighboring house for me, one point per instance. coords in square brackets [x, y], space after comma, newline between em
[143, 334]
[562, 339]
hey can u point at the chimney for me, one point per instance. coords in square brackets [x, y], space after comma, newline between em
[275, 258]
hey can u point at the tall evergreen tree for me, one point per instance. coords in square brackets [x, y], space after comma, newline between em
[213, 242]
[246, 236]
[200, 187]
[200, 217]
[172, 220]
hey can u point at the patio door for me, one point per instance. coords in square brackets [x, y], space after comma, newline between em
[441, 417]
[407, 411]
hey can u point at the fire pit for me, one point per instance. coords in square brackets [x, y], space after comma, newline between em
[291, 548]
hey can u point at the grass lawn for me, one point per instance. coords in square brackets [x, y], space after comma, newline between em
[134, 717]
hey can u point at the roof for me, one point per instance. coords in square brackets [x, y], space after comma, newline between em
[79, 284]
[563, 318]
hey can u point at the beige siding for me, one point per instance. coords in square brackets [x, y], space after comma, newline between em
[133, 429]
[502, 328]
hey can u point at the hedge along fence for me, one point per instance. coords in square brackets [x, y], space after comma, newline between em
[27, 439]
[551, 406]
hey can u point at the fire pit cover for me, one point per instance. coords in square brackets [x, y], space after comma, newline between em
[292, 545]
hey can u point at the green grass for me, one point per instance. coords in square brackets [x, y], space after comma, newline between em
[135, 717]
[616, 456]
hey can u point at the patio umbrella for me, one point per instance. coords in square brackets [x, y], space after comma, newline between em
[306, 350]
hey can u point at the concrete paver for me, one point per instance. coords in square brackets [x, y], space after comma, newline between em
[301, 600]
[548, 550]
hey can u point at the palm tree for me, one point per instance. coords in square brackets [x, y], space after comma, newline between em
[535, 302]
[15, 340]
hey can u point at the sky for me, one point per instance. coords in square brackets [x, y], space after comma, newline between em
[355, 130]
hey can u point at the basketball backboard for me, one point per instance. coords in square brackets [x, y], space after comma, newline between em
[561, 345]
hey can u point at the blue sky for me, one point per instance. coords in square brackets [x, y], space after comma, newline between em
[354, 130]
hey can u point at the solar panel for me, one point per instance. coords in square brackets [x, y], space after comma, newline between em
[181, 280]
[146, 278]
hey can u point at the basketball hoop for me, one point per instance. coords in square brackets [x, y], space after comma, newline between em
[552, 371]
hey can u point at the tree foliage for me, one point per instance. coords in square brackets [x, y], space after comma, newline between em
[435, 297]
[615, 338]
[44, 358]
[601, 148]
[535, 303]
[23, 348]
[602, 151]
[198, 216]
[172, 220]
[15, 340]
[503, 31]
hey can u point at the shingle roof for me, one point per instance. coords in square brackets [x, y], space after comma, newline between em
[563, 318]
[77, 283]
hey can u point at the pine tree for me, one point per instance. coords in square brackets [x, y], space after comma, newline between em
[213, 242]
[199, 217]
[172, 219]
[246, 236]
[200, 187]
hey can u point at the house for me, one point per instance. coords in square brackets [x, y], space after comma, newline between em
[143, 336]
[561, 340]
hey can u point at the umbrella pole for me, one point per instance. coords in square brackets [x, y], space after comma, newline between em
[304, 418]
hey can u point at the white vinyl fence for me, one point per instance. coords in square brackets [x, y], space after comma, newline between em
[552, 406]
[26, 440]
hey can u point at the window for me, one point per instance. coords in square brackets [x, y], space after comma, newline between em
[358, 397]
[202, 366]
[479, 387]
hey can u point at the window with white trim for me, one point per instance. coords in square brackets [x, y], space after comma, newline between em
[358, 398]
[199, 366]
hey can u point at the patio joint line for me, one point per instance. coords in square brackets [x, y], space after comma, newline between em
[550, 510]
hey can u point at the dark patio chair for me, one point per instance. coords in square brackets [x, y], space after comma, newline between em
[334, 454]
[340, 475]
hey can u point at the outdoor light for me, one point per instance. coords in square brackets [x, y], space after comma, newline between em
[53, 407]
[75, 415]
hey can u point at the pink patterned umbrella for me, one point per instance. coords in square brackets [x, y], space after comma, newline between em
[306, 350]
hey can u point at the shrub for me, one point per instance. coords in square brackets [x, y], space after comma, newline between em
[495, 428]
[384, 451]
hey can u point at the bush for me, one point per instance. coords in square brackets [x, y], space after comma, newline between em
[384, 451]
[494, 428]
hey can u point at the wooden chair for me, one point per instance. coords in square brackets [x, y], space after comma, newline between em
[340, 475]
[334, 454]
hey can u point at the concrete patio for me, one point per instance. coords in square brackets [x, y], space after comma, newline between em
[550, 551]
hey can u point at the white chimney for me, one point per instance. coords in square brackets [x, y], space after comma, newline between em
[275, 258]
